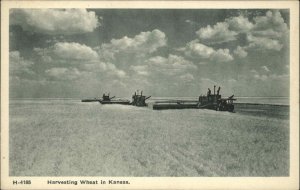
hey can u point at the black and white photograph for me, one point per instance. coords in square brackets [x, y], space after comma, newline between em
[148, 92]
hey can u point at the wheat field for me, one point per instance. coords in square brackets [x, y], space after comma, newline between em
[70, 138]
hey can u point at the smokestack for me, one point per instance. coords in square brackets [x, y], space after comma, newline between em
[141, 93]
[218, 91]
[214, 89]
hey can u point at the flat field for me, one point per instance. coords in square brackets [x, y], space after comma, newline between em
[70, 138]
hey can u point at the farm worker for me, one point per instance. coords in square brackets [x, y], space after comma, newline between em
[209, 92]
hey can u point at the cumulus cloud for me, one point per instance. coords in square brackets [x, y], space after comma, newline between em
[167, 71]
[67, 52]
[240, 52]
[239, 24]
[217, 34]
[272, 20]
[269, 32]
[19, 65]
[74, 50]
[128, 54]
[141, 44]
[196, 50]
[222, 55]
[106, 68]
[55, 21]
[76, 60]
[261, 43]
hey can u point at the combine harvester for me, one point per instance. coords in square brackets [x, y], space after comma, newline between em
[108, 100]
[210, 101]
[139, 100]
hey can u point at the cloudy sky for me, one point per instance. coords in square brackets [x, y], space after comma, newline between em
[76, 53]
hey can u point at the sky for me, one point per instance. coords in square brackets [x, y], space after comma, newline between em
[79, 53]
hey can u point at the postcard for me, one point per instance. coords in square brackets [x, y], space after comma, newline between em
[150, 95]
